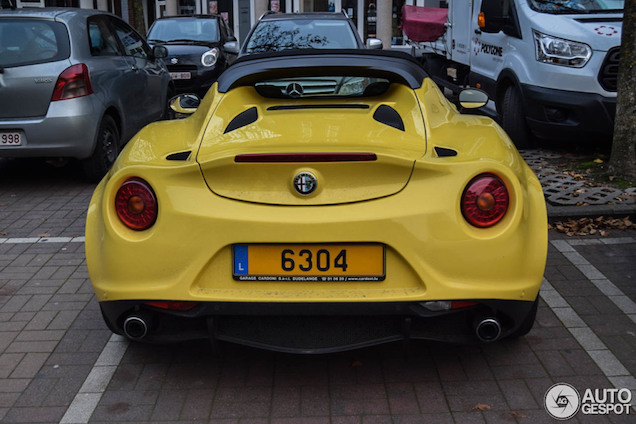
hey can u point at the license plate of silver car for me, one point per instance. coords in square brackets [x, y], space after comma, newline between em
[12, 138]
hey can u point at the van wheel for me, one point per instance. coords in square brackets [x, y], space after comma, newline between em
[106, 150]
[514, 118]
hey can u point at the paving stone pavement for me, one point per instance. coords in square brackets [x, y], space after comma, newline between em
[59, 363]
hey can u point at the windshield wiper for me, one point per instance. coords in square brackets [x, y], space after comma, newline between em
[154, 40]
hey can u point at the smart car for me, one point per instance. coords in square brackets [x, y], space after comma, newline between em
[369, 211]
[76, 83]
[196, 49]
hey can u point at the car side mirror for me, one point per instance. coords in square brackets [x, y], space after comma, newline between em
[159, 52]
[472, 98]
[374, 43]
[231, 47]
[185, 104]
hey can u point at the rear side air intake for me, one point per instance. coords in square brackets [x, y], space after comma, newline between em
[389, 116]
[242, 119]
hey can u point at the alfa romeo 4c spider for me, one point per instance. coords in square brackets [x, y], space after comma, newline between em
[317, 201]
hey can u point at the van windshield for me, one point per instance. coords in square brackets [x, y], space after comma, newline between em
[577, 6]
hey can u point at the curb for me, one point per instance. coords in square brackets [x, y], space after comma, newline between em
[557, 213]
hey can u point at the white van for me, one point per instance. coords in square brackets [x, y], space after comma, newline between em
[550, 66]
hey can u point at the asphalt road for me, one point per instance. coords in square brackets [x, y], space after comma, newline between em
[59, 363]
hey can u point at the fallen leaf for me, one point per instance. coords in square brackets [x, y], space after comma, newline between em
[517, 414]
[44, 235]
[590, 226]
[481, 407]
[598, 160]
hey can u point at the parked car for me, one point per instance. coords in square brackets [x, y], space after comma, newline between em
[311, 30]
[314, 222]
[196, 49]
[76, 83]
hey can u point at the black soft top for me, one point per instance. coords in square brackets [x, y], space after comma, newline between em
[396, 67]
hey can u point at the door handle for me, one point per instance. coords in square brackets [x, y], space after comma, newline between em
[478, 31]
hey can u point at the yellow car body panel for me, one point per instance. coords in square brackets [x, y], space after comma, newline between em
[430, 248]
[408, 200]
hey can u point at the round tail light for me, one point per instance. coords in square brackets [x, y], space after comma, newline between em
[136, 204]
[485, 201]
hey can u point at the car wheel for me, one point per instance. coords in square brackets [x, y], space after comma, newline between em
[514, 120]
[528, 322]
[105, 152]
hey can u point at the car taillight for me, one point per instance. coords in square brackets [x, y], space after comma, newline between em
[136, 204]
[485, 201]
[72, 82]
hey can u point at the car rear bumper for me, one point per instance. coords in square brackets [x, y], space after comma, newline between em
[315, 327]
[67, 130]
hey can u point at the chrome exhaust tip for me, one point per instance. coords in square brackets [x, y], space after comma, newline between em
[136, 327]
[488, 329]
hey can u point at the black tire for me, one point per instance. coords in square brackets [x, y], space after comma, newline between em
[514, 118]
[528, 322]
[105, 152]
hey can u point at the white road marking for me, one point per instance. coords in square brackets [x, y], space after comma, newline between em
[611, 366]
[91, 392]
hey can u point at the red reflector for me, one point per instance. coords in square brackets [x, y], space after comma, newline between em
[136, 205]
[72, 82]
[173, 305]
[458, 304]
[305, 157]
[485, 201]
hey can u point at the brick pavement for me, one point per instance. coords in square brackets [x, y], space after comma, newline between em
[58, 361]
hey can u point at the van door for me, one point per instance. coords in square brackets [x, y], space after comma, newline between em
[492, 42]
[461, 30]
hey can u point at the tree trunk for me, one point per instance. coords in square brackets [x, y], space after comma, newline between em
[623, 158]
[138, 21]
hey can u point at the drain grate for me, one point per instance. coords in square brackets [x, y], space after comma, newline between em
[562, 189]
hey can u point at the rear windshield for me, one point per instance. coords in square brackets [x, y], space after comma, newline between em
[193, 30]
[31, 41]
[327, 86]
[276, 35]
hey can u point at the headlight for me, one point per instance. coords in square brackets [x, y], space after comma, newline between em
[353, 86]
[209, 58]
[558, 51]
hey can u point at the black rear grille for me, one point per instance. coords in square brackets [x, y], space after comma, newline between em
[182, 68]
[608, 75]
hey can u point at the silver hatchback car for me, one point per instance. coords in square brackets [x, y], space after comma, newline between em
[76, 83]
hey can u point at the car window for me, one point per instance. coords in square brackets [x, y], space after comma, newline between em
[133, 44]
[184, 29]
[322, 86]
[102, 41]
[276, 35]
[24, 42]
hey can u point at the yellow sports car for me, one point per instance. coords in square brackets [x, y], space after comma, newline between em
[319, 201]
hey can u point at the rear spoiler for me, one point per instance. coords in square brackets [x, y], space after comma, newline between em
[393, 66]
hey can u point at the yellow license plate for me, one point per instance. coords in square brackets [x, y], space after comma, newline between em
[309, 262]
